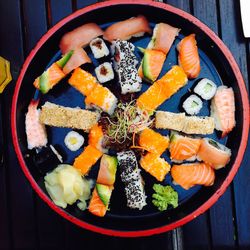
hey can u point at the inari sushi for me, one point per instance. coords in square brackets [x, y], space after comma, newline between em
[96, 138]
[214, 153]
[163, 37]
[124, 30]
[183, 148]
[131, 177]
[87, 159]
[83, 81]
[190, 174]
[189, 58]
[79, 37]
[99, 48]
[155, 165]
[223, 110]
[153, 142]
[103, 98]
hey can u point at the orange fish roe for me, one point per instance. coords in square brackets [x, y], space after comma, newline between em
[155, 165]
[96, 136]
[162, 89]
[153, 142]
[83, 81]
[87, 159]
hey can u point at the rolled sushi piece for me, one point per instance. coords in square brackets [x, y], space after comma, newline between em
[100, 199]
[131, 177]
[96, 138]
[73, 140]
[99, 48]
[87, 159]
[205, 88]
[125, 65]
[183, 148]
[214, 153]
[155, 165]
[35, 130]
[192, 105]
[104, 72]
[135, 26]
[107, 170]
[83, 81]
[102, 98]
[153, 142]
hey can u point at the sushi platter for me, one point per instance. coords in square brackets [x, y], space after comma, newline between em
[130, 117]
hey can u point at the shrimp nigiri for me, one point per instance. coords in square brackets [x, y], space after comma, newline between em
[188, 175]
[189, 58]
[124, 30]
[35, 130]
[223, 110]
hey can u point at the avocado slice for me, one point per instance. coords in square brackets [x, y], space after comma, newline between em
[111, 165]
[104, 193]
[62, 62]
[44, 84]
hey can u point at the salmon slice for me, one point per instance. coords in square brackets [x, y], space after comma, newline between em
[83, 81]
[155, 165]
[183, 147]
[79, 37]
[189, 58]
[214, 153]
[153, 142]
[188, 175]
[96, 206]
[78, 58]
[223, 110]
[124, 30]
[87, 159]
[163, 37]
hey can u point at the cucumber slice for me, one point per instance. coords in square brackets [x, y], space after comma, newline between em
[104, 193]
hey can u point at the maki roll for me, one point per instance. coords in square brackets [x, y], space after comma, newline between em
[104, 72]
[125, 63]
[99, 48]
[206, 89]
[192, 105]
[131, 177]
[73, 141]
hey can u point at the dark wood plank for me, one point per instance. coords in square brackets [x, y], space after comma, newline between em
[59, 10]
[181, 4]
[83, 3]
[230, 13]
[219, 217]
[35, 21]
[19, 194]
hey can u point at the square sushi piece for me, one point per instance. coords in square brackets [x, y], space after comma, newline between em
[99, 48]
[104, 72]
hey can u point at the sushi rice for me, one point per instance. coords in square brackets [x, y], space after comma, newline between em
[104, 72]
[206, 89]
[73, 141]
[99, 48]
[192, 105]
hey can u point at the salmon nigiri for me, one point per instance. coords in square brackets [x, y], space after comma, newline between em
[79, 37]
[189, 58]
[223, 110]
[183, 147]
[188, 175]
[163, 37]
[214, 153]
[124, 30]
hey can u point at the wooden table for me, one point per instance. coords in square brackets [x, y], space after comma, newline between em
[27, 223]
